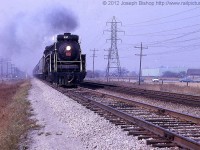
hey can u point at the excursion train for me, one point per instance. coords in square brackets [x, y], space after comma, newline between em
[63, 62]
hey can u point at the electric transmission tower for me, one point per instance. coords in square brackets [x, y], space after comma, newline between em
[113, 56]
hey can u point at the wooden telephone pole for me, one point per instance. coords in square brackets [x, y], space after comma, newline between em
[93, 55]
[141, 55]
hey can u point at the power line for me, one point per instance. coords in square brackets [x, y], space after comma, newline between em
[172, 21]
[189, 33]
[154, 34]
[175, 46]
[187, 40]
[174, 51]
[175, 29]
[174, 42]
[169, 41]
[181, 49]
[156, 19]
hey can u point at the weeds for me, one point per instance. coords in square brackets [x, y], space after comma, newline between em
[14, 114]
[182, 88]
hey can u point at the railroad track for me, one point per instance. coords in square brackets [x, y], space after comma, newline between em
[189, 100]
[160, 127]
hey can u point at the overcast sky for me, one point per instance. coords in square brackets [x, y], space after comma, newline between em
[171, 32]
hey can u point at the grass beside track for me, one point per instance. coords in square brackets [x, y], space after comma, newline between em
[182, 88]
[14, 114]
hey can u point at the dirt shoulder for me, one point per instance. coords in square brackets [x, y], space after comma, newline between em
[14, 114]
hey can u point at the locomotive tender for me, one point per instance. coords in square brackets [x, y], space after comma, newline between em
[62, 63]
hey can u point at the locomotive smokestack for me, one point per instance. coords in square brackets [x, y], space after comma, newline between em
[67, 34]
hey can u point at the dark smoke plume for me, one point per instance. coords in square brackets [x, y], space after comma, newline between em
[24, 37]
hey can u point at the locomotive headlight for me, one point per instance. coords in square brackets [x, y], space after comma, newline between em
[68, 48]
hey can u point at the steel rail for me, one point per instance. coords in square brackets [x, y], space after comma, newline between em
[192, 100]
[162, 132]
[156, 129]
[160, 110]
[176, 97]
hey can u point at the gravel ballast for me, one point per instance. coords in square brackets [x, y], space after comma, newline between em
[67, 125]
[194, 111]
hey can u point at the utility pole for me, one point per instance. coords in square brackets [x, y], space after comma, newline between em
[108, 64]
[1, 61]
[7, 67]
[93, 55]
[141, 54]
[12, 70]
[113, 57]
[7, 74]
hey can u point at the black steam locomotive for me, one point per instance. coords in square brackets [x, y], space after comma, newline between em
[62, 62]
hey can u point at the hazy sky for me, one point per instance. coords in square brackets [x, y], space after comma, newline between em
[171, 32]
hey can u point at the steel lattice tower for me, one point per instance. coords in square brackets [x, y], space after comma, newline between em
[113, 56]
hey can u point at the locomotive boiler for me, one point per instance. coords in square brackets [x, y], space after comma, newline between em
[63, 62]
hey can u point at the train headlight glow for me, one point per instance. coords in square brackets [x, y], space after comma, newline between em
[68, 48]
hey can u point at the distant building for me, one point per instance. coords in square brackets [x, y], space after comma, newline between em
[193, 72]
[160, 71]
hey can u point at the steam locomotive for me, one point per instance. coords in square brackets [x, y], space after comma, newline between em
[62, 62]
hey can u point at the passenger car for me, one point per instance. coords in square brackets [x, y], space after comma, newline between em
[155, 80]
[186, 80]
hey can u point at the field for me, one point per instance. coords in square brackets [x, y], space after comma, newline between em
[14, 114]
[192, 88]
[169, 85]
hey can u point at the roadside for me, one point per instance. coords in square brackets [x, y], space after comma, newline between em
[15, 111]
